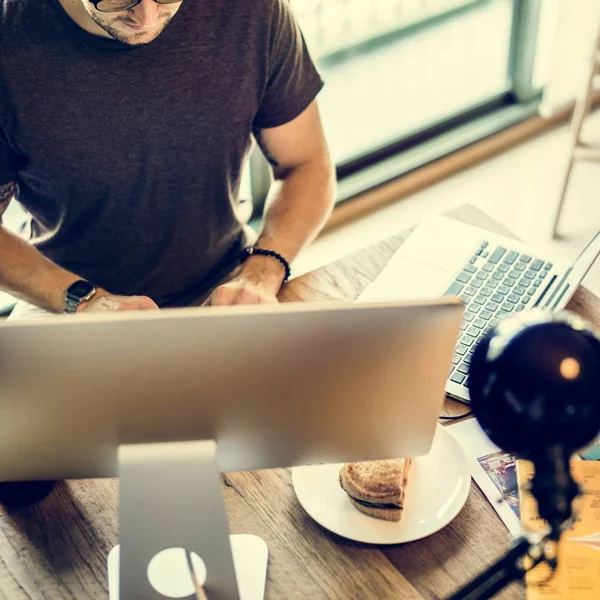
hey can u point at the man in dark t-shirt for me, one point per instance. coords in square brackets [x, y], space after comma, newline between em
[124, 128]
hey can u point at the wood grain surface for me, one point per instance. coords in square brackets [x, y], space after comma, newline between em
[57, 549]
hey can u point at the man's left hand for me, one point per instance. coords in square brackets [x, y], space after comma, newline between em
[258, 282]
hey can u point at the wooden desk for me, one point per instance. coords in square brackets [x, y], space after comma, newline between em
[58, 549]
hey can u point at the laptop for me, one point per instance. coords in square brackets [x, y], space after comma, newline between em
[495, 276]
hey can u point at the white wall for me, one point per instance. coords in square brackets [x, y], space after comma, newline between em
[568, 30]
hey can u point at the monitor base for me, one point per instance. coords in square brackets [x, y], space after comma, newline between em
[250, 555]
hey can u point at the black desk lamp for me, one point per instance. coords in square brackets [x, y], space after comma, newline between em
[535, 390]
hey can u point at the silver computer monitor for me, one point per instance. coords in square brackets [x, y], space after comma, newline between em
[166, 400]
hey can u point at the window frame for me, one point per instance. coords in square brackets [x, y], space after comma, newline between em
[517, 102]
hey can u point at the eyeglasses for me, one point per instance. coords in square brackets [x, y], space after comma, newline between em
[119, 5]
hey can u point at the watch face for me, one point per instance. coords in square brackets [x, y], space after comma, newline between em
[81, 289]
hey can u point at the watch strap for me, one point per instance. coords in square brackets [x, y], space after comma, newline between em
[78, 292]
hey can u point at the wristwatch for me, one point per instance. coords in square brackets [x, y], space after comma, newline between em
[78, 292]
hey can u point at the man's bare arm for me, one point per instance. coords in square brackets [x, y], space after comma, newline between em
[299, 204]
[301, 200]
[28, 275]
[24, 272]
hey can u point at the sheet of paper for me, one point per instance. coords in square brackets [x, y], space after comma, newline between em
[493, 470]
[578, 573]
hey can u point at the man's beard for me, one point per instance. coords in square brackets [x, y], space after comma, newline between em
[131, 39]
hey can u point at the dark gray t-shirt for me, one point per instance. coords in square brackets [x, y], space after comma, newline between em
[129, 158]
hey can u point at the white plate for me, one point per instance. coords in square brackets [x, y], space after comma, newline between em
[438, 486]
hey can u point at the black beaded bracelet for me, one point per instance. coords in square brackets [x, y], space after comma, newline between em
[247, 252]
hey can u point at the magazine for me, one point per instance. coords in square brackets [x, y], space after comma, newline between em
[592, 452]
[493, 470]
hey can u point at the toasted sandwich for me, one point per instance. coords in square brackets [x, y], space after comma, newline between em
[377, 488]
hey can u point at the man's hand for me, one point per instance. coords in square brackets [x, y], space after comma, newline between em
[258, 282]
[105, 302]
[240, 291]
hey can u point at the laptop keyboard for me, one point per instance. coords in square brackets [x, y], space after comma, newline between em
[494, 284]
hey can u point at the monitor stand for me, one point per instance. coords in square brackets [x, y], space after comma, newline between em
[171, 498]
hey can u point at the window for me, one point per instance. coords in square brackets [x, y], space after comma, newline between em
[399, 72]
